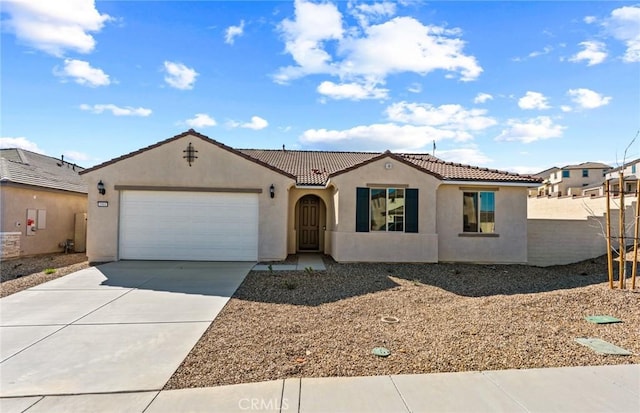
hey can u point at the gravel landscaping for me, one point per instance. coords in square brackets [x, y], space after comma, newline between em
[451, 317]
[21, 273]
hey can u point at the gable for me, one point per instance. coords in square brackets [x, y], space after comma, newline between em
[171, 153]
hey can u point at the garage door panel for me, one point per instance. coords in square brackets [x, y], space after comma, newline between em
[188, 226]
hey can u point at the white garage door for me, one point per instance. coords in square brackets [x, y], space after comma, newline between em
[200, 226]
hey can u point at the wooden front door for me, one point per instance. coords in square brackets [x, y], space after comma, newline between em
[309, 228]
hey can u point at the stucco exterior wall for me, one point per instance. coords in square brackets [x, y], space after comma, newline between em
[60, 207]
[165, 166]
[507, 245]
[347, 245]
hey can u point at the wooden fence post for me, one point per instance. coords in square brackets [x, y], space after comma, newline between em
[609, 254]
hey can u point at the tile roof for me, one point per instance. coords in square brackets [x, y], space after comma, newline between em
[316, 167]
[20, 166]
[624, 166]
[450, 171]
[309, 167]
[588, 165]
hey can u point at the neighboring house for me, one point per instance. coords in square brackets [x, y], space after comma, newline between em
[43, 203]
[631, 173]
[571, 179]
[544, 188]
[192, 198]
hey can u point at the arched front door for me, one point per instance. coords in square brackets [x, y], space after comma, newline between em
[309, 223]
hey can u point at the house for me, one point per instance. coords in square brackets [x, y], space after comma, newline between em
[571, 179]
[43, 203]
[192, 198]
[544, 188]
[631, 173]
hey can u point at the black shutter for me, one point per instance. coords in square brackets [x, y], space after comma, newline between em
[411, 210]
[362, 210]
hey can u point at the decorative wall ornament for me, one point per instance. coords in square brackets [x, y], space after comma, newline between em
[190, 154]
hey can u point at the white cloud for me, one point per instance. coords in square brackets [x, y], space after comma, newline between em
[352, 91]
[525, 170]
[116, 110]
[533, 100]
[256, 123]
[594, 53]
[319, 43]
[55, 27]
[588, 99]
[304, 36]
[482, 98]
[201, 120]
[179, 76]
[232, 32]
[590, 19]
[78, 156]
[415, 88]
[398, 138]
[566, 108]
[83, 74]
[544, 51]
[452, 117]
[469, 156]
[531, 130]
[404, 44]
[624, 25]
[21, 142]
[367, 12]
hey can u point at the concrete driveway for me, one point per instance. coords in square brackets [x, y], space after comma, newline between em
[119, 327]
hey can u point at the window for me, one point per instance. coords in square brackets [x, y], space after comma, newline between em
[478, 212]
[585, 173]
[633, 169]
[566, 174]
[386, 210]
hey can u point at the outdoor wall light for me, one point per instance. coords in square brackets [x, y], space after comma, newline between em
[272, 191]
[101, 189]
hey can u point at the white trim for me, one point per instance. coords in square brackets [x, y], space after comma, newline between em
[311, 186]
[491, 183]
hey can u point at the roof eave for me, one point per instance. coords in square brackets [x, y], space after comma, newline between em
[472, 182]
[182, 135]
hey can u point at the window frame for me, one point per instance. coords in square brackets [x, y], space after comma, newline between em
[566, 173]
[479, 213]
[363, 209]
[387, 200]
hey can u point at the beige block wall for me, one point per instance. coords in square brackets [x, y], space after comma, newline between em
[510, 244]
[568, 230]
[347, 245]
[165, 166]
[563, 241]
[61, 207]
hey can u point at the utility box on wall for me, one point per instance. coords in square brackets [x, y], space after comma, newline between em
[31, 227]
[80, 232]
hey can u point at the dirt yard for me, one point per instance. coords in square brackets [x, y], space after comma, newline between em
[21, 273]
[451, 317]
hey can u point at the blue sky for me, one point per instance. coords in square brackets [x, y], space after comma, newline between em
[520, 86]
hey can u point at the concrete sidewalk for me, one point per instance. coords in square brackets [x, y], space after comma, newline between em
[305, 262]
[565, 389]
